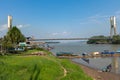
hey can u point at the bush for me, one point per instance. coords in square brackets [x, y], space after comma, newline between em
[116, 39]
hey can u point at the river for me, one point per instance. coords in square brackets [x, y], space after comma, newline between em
[78, 47]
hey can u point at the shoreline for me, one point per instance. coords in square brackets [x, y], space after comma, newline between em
[95, 73]
[98, 75]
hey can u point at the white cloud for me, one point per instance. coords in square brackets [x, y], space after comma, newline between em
[117, 14]
[54, 34]
[19, 26]
[22, 26]
[97, 16]
[3, 27]
[64, 33]
[95, 19]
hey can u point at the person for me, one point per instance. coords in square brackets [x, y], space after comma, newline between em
[109, 67]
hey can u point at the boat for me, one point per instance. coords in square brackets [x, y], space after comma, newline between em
[85, 59]
[118, 51]
[84, 54]
[107, 52]
[107, 68]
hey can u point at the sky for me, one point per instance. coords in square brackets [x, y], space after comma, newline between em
[60, 18]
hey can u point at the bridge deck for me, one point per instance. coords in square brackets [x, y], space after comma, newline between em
[63, 39]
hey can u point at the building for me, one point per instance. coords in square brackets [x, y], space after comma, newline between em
[9, 22]
[113, 26]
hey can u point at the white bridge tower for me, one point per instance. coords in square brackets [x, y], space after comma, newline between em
[113, 26]
[9, 22]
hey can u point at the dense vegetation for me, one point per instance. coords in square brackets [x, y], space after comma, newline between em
[47, 67]
[104, 40]
[12, 38]
[97, 40]
[116, 39]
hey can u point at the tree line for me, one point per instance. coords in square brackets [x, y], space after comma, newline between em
[104, 40]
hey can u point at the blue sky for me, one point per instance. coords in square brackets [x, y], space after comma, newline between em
[60, 18]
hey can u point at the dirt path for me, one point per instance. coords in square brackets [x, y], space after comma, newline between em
[65, 71]
[98, 75]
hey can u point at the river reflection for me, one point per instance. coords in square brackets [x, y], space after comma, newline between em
[115, 65]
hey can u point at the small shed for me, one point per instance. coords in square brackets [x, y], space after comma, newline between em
[22, 44]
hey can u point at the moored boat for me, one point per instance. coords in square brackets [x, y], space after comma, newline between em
[118, 51]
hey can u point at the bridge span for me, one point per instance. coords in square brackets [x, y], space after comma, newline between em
[63, 39]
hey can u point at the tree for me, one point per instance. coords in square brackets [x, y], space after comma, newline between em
[12, 38]
[116, 39]
[15, 36]
[97, 40]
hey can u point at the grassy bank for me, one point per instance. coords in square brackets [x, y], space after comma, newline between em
[39, 68]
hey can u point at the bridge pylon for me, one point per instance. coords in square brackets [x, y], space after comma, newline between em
[113, 26]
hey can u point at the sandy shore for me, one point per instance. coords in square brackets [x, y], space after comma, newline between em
[98, 75]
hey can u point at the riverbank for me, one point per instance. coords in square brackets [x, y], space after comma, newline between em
[98, 75]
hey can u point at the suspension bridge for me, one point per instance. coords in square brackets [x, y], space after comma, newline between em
[65, 39]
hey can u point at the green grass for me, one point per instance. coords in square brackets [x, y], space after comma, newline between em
[30, 51]
[39, 68]
[74, 71]
[28, 68]
[35, 50]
